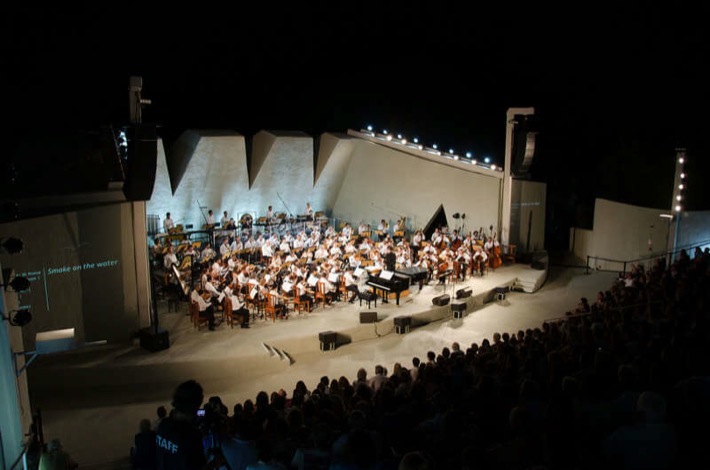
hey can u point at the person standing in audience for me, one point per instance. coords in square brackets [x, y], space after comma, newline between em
[178, 439]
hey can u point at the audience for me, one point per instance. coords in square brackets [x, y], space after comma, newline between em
[620, 384]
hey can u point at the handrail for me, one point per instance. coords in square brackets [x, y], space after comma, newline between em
[667, 254]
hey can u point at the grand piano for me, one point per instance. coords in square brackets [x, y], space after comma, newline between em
[389, 281]
[416, 274]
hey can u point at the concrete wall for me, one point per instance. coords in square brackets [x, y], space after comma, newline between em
[348, 178]
[84, 276]
[629, 233]
[15, 409]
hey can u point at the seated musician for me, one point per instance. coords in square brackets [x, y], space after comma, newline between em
[346, 232]
[383, 229]
[478, 260]
[211, 286]
[320, 253]
[207, 254]
[351, 285]
[267, 251]
[224, 248]
[170, 259]
[277, 301]
[330, 231]
[225, 220]
[331, 289]
[238, 305]
[362, 228]
[285, 246]
[304, 293]
[206, 309]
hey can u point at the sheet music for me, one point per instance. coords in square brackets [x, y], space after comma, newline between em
[387, 275]
[358, 272]
[254, 292]
[312, 280]
[287, 286]
[334, 277]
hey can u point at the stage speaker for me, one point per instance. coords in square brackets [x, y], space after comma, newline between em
[463, 293]
[368, 317]
[154, 339]
[142, 160]
[501, 291]
[402, 324]
[441, 300]
[458, 309]
[327, 340]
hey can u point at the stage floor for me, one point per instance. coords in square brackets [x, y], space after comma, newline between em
[88, 391]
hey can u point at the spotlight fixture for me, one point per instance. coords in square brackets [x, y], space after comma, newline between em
[20, 284]
[487, 159]
[21, 318]
[469, 155]
[493, 167]
[12, 245]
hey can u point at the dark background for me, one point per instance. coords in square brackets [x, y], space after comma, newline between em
[616, 89]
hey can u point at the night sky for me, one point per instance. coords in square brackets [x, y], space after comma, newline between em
[616, 89]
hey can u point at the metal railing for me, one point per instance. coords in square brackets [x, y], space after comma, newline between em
[669, 256]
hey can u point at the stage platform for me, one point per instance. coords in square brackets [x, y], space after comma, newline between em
[78, 390]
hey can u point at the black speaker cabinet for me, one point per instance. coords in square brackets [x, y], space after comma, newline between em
[327, 340]
[402, 324]
[154, 339]
[501, 291]
[458, 309]
[463, 293]
[368, 317]
[441, 300]
[142, 162]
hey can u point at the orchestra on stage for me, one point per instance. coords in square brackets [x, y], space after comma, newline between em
[277, 264]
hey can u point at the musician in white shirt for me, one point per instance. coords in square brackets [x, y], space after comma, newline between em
[168, 223]
[309, 211]
[224, 247]
[347, 232]
[210, 217]
[320, 253]
[205, 308]
[351, 285]
[238, 305]
[170, 258]
[225, 220]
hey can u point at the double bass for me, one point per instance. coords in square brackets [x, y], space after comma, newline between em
[496, 260]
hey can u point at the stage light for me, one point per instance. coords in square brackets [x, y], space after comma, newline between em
[680, 186]
[682, 176]
[404, 141]
[399, 136]
[415, 140]
[389, 137]
[435, 147]
[493, 167]
[384, 131]
[469, 155]
[487, 159]
[677, 198]
[12, 245]
[456, 157]
[20, 284]
[473, 162]
[369, 128]
[677, 208]
[451, 151]
[681, 160]
[21, 317]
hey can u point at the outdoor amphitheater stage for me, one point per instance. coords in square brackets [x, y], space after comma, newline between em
[81, 390]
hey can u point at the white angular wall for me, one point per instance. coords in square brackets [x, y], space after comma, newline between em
[349, 178]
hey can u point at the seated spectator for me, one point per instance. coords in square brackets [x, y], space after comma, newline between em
[56, 458]
[143, 451]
